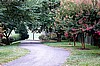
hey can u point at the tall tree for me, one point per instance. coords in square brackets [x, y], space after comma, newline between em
[12, 15]
[45, 15]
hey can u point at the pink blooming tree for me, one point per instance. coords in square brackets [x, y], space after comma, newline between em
[80, 19]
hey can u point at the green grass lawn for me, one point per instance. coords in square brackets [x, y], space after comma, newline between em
[78, 57]
[11, 52]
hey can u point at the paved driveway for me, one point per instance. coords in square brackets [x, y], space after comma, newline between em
[40, 55]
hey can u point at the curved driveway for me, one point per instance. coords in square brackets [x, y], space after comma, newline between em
[40, 55]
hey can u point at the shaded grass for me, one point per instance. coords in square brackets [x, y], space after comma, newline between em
[79, 57]
[11, 52]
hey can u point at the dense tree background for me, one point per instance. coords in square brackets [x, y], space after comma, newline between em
[52, 16]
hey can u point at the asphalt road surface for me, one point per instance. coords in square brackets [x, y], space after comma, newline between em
[40, 55]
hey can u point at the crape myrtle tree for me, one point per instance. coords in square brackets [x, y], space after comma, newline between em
[12, 15]
[65, 15]
[80, 19]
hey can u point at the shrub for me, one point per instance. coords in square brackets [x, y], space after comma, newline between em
[15, 37]
[53, 36]
[50, 36]
[44, 37]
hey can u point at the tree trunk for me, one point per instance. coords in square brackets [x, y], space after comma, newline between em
[99, 42]
[83, 45]
[7, 40]
[7, 37]
[58, 37]
[74, 39]
[95, 38]
[33, 35]
[82, 41]
[74, 42]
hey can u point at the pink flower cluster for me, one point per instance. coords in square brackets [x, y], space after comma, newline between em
[73, 29]
[98, 32]
[66, 34]
[89, 28]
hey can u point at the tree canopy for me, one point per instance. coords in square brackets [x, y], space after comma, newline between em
[13, 14]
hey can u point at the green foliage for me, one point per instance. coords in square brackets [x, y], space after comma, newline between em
[15, 37]
[22, 30]
[12, 14]
[44, 14]
[64, 38]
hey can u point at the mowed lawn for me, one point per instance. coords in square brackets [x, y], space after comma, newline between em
[11, 52]
[79, 57]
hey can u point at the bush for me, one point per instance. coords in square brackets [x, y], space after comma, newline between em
[53, 36]
[15, 37]
[50, 36]
[44, 37]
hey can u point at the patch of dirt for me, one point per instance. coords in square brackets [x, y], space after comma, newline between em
[83, 49]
